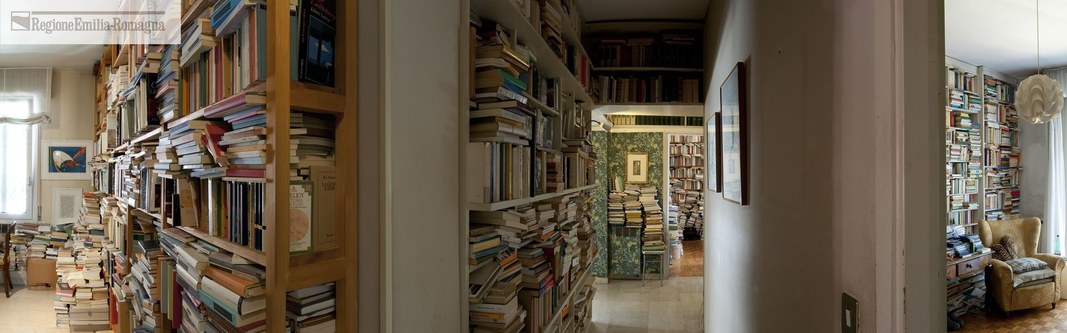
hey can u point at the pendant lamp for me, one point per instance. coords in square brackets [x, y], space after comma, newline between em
[1039, 97]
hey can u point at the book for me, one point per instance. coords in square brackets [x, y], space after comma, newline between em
[300, 216]
[318, 28]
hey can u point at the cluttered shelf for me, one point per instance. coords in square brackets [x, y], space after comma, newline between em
[519, 202]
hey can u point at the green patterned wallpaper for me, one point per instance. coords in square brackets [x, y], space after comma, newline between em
[600, 203]
[625, 247]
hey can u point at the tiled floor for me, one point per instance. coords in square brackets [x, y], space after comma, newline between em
[625, 306]
[1042, 319]
[28, 311]
[690, 260]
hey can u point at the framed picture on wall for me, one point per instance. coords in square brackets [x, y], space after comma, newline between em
[66, 205]
[66, 159]
[733, 125]
[713, 157]
[637, 168]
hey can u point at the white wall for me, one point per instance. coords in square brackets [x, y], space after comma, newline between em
[72, 119]
[421, 132]
[827, 149]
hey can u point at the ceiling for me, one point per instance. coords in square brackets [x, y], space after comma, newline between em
[79, 57]
[602, 10]
[1002, 34]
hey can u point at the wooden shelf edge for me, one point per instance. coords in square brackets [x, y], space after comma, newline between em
[250, 254]
[317, 273]
[519, 202]
[151, 134]
[314, 99]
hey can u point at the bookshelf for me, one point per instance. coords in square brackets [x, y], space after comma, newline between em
[646, 62]
[686, 172]
[191, 208]
[527, 166]
[982, 168]
[982, 146]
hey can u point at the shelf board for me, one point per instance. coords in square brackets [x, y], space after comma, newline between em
[548, 64]
[963, 210]
[519, 202]
[250, 254]
[195, 115]
[314, 98]
[150, 135]
[649, 69]
[652, 109]
[952, 109]
[537, 104]
[643, 26]
[320, 272]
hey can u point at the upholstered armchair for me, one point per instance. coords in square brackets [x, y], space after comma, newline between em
[1013, 290]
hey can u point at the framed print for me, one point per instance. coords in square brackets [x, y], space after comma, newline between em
[66, 159]
[734, 136]
[66, 205]
[636, 168]
[714, 154]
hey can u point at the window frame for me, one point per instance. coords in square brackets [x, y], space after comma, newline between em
[32, 207]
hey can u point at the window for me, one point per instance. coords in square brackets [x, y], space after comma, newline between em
[17, 160]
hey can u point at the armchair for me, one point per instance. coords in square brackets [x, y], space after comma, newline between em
[1008, 289]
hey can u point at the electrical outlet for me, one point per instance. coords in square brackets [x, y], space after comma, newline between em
[849, 314]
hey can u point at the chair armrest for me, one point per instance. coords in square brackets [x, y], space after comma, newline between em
[1054, 262]
[999, 280]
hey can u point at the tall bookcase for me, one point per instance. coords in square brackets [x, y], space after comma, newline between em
[982, 151]
[128, 135]
[982, 168]
[687, 185]
[527, 163]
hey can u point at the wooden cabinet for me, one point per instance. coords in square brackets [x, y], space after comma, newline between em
[962, 267]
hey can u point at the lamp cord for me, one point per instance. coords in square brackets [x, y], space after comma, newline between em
[1037, 20]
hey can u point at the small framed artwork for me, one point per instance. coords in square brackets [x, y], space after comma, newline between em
[636, 168]
[714, 154]
[66, 159]
[734, 134]
[66, 205]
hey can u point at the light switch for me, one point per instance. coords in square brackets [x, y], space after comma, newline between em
[849, 314]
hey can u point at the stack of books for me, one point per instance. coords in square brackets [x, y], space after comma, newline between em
[617, 208]
[243, 144]
[233, 296]
[312, 309]
[652, 239]
[144, 275]
[67, 280]
[494, 303]
[166, 158]
[196, 144]
[167, 97]
[196, 40]
[311, 143]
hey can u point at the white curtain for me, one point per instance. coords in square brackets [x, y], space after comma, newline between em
[1056, 207]
[34, 84]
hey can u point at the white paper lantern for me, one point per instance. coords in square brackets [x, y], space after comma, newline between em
[1039, 99]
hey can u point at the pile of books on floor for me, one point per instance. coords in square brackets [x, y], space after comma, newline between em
[312, 309]
[66, 273]
[90, 311]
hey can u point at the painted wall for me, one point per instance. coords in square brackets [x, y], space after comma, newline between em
[72, 118]
[824, 178]
[1033, 185]
[421, 213]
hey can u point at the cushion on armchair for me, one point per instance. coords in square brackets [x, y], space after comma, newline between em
[1024, 279]
[1023, 265]
[1001, 253]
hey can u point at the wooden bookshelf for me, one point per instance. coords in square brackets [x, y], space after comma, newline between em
[649, 69]
[284, 95]
[526, 201]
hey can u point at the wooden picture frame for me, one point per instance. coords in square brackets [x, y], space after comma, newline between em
[713, 157]
[636, 168]
[734, 134]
